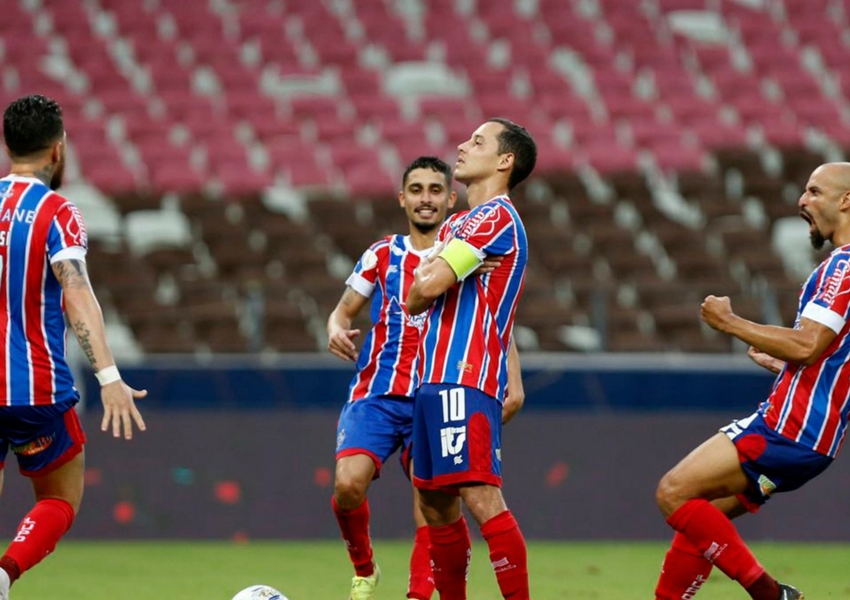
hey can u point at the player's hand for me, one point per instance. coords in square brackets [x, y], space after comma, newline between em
[716, 312]
[119, 408]
[763, 359]
[514, 399]
[340, 344]
[490, 264]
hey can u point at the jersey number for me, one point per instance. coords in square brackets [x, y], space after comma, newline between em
[454, 404]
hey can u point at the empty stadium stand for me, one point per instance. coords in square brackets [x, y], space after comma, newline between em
[234, 157]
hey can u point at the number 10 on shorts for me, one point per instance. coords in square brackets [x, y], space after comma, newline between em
[454, 409]
[454, 404]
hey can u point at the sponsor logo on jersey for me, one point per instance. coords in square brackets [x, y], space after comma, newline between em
[477, 223]
[465, 367]
[34, 447]
[76, 227]
[833, 284]
[417, 321]
[369, 260]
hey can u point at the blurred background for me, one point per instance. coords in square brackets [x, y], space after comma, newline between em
[233, 158]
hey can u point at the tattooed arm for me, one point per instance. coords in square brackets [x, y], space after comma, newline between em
[340, 333]
[86, 319]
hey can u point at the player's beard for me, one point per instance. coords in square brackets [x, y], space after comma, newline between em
[425, 227]
[817, 238]
[56, 178]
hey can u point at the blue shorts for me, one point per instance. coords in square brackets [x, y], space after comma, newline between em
[772, 462]
[376, 426]
[42, 437]
[457, 437]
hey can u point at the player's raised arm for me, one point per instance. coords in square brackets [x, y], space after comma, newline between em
[340, 333]
[515, 393]
[86, 319]
[801, 345]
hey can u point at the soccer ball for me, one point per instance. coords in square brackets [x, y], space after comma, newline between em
[259, 592]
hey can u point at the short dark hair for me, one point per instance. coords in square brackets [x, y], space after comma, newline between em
[428, 162]
[516, 140]
[31, 124]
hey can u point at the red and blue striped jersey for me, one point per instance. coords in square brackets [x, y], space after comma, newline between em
[809, 404]
[386, 362]
[37, 227]
[467, 334]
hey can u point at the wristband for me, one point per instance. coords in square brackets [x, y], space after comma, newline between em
[108, 375]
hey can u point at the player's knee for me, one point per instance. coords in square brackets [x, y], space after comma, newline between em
[667, 494]
[349, 491]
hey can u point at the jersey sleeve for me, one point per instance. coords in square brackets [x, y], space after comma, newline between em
[487, 229]
[67, 238]
[831, 302]
[364, 277]
[445, 231]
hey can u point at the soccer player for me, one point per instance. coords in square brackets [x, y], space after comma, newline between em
[43, 279]
[792, 437]
[463, 362]
[378, 417]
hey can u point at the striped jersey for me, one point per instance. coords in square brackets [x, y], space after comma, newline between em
[468, 330]
[386, 362]
[37, 227]
[809, 404]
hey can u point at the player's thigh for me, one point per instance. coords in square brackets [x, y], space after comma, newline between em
[438, 507]
[66, 482]
[483, 501]
[731, 506]
[713, 470]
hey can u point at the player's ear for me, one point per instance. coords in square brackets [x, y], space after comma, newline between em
[401, 198]
[452, 199]
[56, 151]
[506, 161]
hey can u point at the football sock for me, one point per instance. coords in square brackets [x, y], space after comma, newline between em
[450, 552]
[37, 536]
[713, 534]
[508, 555]
[354, 525]
[684, 571]
[421, 584]
[765, 588]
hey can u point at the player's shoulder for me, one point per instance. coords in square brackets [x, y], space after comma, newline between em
[837, 263]
[382, 244]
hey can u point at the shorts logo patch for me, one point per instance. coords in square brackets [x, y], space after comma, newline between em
[340, 439]
[34, 447]
[766, 486]
[452, 440]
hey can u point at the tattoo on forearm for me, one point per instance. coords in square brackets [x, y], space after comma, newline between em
[84, 337]
[347, 297]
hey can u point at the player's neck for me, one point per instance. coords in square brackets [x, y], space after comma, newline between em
[41, 172]
[422, 241]
[480, 192]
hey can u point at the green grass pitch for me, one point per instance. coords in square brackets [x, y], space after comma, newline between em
[320, 571]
